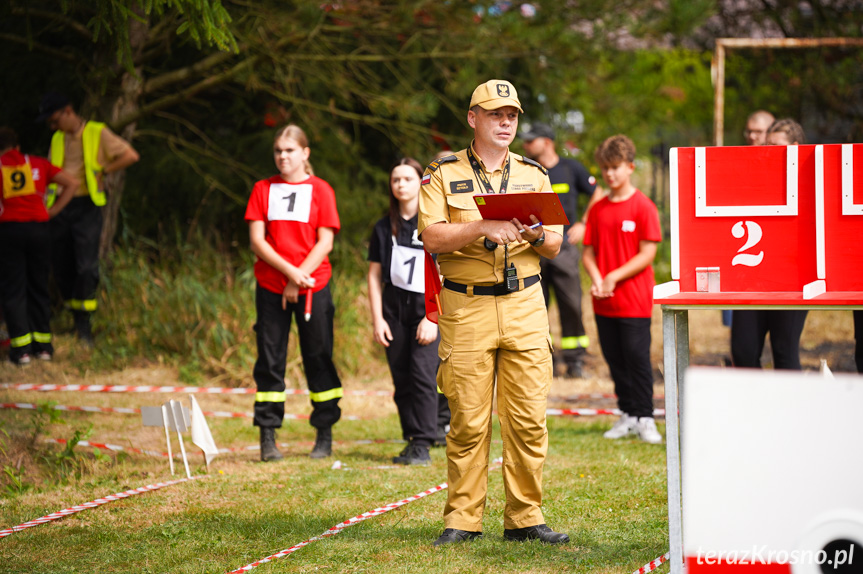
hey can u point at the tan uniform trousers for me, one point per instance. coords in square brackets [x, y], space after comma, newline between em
[482, 335]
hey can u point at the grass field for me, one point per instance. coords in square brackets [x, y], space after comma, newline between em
[608, 495]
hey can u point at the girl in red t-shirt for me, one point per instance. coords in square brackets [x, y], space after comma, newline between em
[292, 223]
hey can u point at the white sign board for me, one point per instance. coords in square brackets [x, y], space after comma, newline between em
[772, 471]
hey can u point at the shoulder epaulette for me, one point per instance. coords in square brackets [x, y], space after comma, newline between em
[526, 159]
[440, 161]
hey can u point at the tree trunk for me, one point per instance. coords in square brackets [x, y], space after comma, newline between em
[126, 102]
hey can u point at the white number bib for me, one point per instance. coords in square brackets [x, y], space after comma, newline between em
[407, 268]
[290, 202]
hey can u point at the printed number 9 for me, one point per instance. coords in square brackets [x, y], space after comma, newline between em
[19, 180]
[753, 230]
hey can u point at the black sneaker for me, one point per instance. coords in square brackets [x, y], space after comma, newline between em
[539, 532]
[452, 535]
[403, 455]
[414, 454]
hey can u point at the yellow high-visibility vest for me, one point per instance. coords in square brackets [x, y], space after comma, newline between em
[90, 143]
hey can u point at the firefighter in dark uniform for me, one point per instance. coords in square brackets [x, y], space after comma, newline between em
[493, 324]
[569, 178]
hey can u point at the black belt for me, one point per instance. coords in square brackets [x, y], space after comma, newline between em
[496, 290]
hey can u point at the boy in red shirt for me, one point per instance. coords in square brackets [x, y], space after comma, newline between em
[619, 246]
[25, 247]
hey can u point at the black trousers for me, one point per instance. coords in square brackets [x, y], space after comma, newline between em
[25, 270]
[75, 235]
[272, 329]
[562, 275]
[625, 343]
[413, 366]
[749, 329]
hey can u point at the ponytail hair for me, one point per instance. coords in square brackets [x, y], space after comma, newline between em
[396, 220]
[296, 133]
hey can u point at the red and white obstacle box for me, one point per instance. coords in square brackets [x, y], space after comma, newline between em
[772, 472]
[766, 225]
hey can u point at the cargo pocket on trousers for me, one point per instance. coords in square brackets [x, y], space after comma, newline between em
[444, 379]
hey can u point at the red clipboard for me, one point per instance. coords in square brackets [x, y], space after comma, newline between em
[506, 206]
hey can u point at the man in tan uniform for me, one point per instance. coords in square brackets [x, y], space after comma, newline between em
[87, 150]
[493, 325]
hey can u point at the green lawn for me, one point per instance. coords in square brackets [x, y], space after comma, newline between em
[608, 495]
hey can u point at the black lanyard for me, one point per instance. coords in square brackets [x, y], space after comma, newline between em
[480, 173]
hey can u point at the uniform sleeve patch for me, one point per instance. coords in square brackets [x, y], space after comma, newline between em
[426, 178]
[432, 167]
[535, 164]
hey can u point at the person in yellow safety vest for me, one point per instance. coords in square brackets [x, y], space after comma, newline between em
[87, 150]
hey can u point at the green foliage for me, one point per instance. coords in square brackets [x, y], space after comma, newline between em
[44, 415]
[192, 305]
[16, 480]
[818, 87]
[17, 484]
[66, 463]
[206, 22]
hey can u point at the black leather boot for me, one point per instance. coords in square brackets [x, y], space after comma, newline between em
[323, 443]
[268, 445]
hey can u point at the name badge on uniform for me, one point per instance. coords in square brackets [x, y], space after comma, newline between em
[407, 268]
[464, 186]
[290, 202]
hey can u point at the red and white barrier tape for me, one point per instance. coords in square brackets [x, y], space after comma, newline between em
[131, 411]
[654, 564]
[118, 448]
[593, 412]
[496, 463]
[98, 502]
[111, 447]
[341, 526]
[156, 389]
[227, 414]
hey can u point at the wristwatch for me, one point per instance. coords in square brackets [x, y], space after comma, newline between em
[540, 241]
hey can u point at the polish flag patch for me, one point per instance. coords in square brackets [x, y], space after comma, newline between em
[426, 178]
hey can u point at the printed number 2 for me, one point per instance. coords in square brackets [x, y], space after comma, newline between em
[19, 180]
[412, 262]
[293, 200]
[753, 233]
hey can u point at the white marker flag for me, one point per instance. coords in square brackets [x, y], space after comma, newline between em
[201, 436]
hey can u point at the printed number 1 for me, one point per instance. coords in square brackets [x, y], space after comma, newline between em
[412, 262]
[753, 230]
[293, 200]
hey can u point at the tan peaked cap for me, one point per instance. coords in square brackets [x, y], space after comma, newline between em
[495, 94]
